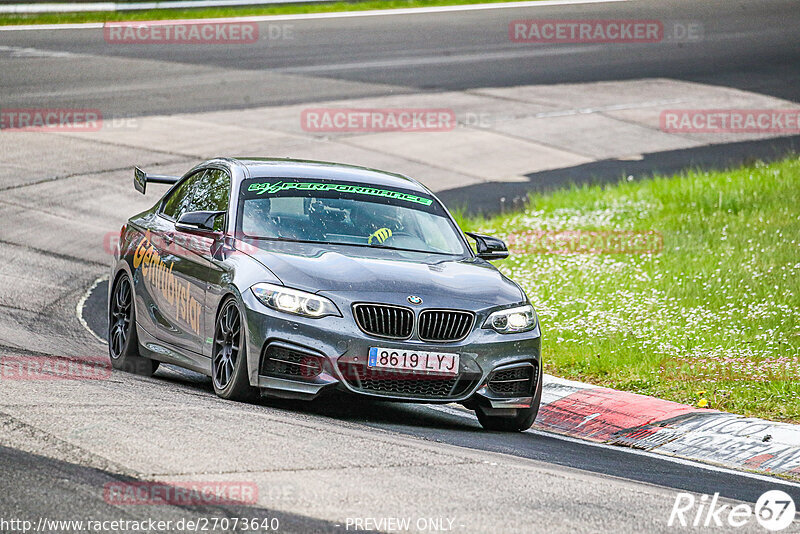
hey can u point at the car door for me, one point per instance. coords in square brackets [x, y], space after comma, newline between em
[175, 280]
[212, 193]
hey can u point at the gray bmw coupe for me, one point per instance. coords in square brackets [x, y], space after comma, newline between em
[287, 278]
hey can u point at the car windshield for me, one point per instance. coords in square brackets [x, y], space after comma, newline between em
[345, 213]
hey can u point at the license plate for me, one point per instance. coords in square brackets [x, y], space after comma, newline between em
[413, 360]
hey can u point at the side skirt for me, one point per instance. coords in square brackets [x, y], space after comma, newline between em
[164, 352]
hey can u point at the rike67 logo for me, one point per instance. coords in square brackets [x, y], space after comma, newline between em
[774, 510]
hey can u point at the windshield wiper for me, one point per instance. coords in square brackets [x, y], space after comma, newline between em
[363, 245]
[386, 247]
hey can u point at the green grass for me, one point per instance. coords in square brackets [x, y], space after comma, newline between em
[722, 298]
[224, 12]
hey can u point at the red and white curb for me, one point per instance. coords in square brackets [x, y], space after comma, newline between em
[620, 418]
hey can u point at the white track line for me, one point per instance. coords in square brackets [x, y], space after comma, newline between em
[79, 309]
[668, 458]
[25, 52]
[315, 16]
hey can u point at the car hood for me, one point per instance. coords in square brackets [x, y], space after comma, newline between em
[360, 270]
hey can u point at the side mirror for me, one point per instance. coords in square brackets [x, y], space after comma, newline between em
[488, 247]
[197, 221]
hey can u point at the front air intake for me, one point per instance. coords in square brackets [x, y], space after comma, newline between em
[282, 361]
[519, 380]
[383, 320]
[445, 325]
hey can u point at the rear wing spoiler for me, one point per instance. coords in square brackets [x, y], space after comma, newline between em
[141, 178]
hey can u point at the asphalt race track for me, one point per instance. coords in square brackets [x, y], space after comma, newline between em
[748, 45]
[317, 465]
[460, 427]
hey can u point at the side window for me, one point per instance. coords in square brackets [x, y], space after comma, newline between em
[180, 200]
[212, 193]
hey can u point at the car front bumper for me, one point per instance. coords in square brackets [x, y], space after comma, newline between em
[331, 353]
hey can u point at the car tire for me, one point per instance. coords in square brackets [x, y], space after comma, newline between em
[519, 423]
[229, 355]
[123, 342]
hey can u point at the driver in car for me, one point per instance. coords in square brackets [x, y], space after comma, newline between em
[256, 220]
[375, 220]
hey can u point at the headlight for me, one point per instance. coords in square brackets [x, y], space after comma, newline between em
[293, 301]
[512, 320]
